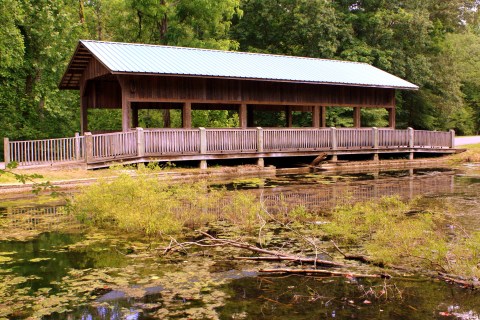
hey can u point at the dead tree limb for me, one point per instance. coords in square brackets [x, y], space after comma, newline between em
[211, 241]
[293, 259]
[324, 272]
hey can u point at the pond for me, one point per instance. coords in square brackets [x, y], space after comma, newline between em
[51, 267]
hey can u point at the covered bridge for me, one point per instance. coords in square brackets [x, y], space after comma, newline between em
[132, 77]
[140, 76]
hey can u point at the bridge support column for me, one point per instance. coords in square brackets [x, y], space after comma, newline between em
[260, 162]
[391, 117]
[316, 116]
[243, 116]
[187, 115]
[356, 117]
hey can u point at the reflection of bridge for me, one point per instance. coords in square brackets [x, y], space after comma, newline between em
[144, 145]
[314, 197]
[322, 197]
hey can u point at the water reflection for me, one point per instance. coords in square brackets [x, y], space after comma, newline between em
[45, 259]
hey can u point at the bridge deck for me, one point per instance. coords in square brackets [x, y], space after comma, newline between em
[143, 145]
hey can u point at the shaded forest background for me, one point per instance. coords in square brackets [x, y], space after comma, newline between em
[434, 44]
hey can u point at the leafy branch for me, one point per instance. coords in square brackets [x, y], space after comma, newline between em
[37, 187]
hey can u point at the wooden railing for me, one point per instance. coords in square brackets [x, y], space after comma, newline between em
[424, 138]
[388, 138]
[49, 151]
[172, 141]
[355, 138]
[231, 140]
[140, 143]
[112, 145]
[286, 139]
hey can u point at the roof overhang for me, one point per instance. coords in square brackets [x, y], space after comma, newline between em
[87, 50]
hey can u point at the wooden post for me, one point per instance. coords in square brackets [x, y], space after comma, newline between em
[323, 116]
[375, 144]
[356, 117]
[289, 116]
[391, 117]
[6, 151]
[452, 138]
[411, 141]
[140, 142]
[77, 146]
[260, 161]
[242, 115]
[88, 147]
[187, 115]
[333, 139]
[203, 146]
[316, 116]
[126, 113]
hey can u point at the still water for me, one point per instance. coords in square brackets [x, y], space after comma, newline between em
[53, 268]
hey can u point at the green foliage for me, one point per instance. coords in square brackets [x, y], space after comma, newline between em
[146, 205]
[394, 233]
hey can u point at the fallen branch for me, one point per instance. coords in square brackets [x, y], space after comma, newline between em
[325, 272]
[465, 283]
[355, 257]
[211, 241]
[294, 259]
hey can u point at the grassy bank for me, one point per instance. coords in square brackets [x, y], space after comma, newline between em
[472, 154]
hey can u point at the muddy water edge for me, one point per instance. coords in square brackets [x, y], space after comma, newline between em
[52, 267]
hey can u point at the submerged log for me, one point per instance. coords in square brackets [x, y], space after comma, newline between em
[324, 272]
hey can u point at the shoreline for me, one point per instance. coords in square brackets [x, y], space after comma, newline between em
[219, 173]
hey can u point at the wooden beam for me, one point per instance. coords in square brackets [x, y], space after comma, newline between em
[187, 115]
[356, 117]
[316, 117]
[391, 117]
[242, 115]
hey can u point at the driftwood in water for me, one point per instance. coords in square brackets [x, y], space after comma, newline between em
[211, 241]
[318, 159]
[324, 272]
[293, 259]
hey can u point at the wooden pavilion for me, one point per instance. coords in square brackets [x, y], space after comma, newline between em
[139, 76]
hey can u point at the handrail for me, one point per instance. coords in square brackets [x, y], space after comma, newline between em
[139, 143]
[45, 151]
